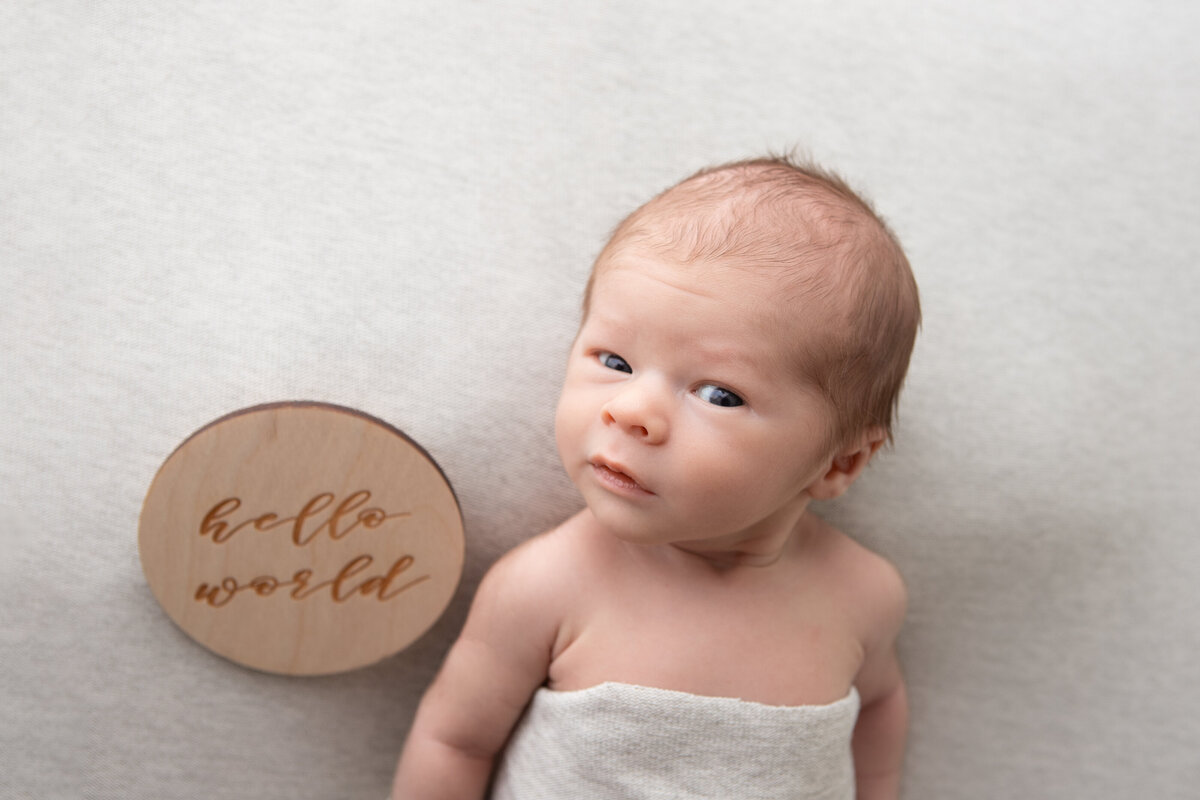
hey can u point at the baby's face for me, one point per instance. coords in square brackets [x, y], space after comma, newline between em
[683, 417]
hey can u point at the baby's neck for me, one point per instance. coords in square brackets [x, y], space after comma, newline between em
[729, 559]
[754, 553]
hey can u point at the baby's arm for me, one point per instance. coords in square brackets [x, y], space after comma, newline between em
[879, 736]
[488, 677]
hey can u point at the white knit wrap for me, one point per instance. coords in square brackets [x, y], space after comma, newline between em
[621, 742]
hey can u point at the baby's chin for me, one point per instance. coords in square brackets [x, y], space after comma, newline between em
[624, 523]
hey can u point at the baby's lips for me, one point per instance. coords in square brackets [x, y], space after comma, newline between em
[618, 469]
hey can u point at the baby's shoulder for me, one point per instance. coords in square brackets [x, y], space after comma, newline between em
[870, 583]
[546, 569]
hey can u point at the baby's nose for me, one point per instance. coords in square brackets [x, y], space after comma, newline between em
[640, 411]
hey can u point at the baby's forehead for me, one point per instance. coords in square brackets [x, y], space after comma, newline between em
[778, 274]
[792, 301]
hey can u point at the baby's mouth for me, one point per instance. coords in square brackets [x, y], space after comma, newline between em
[615, 475]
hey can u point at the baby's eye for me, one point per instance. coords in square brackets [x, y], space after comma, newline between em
[614, 361]
[718, 396]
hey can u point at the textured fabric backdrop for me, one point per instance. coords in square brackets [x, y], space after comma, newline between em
[392, 206]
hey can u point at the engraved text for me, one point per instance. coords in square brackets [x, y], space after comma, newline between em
[352, 579]
[309, 523]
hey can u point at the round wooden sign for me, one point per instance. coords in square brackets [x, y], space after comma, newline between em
[301, 538]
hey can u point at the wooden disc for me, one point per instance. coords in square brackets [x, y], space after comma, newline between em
[301, 538]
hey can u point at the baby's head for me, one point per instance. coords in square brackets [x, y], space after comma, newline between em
[828, 253]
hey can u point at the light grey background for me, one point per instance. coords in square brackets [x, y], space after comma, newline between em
[392, 206]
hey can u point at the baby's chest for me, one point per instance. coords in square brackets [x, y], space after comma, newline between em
[787, 652]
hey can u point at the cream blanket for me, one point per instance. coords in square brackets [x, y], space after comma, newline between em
[621, 742]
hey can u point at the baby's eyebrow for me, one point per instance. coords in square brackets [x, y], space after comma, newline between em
[609, 323]
[722, 355]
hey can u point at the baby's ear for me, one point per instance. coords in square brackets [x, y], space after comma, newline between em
[848, 464]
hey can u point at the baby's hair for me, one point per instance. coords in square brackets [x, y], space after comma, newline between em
[781, 212]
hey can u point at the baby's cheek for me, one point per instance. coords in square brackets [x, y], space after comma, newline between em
[726, 482]
[711, 483]
[565, 425]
